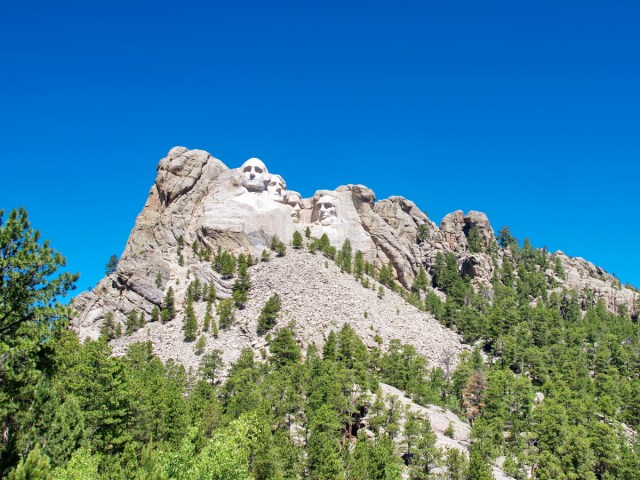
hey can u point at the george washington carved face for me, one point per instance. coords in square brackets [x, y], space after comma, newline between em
[255, 176]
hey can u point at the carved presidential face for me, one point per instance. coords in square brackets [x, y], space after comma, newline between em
[277, 187]
[326, 206]
[294, 200]
[255, 176]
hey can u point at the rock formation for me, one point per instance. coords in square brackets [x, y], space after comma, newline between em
[198, 204]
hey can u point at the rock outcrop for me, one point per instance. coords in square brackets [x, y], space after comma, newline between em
[198, 204]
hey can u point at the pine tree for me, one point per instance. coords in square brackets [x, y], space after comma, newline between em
[296, 241]
[190, 322]
[421, 282]
[111, 265]
[200, 344]
[474, 240]
[34, 467]
[132, 322]
[344, 256]
[226, 313]
[208, 316]
[307, 233]
[426, 454]
[168, 307]
[284, 348]
[269, 314]
[240, 288]
[155, 314]
[108, 328]
[359, 265]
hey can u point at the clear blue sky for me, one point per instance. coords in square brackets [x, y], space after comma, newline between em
[528, 111]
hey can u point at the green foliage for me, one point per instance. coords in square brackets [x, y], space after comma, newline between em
[200, 344]
[307, 233]
[224, 263]
[210, 365]
[168, 307]
[474, 240]
[344, 257]
[505, 239]
[155, 314]
[278, 246]
[421, 282]
[190, 322]
[111, 265]
[108, 327]
[385, 277]
[34, 467]
[134, 322]
[240, 288]
[269, 314]
[423, 233]
[324, 245]
[296, 241]
[265, 255]
[284, 348]
[226, 312]
[30, 286]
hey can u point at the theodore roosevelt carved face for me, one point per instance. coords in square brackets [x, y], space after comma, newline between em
[294, 200]
[255, 176]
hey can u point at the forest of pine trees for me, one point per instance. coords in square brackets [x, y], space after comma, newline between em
[553, 391]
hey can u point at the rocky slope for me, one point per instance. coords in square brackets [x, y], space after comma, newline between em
[197, 200]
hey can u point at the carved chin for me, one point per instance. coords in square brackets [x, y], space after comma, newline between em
[328, 221]
[254, 186]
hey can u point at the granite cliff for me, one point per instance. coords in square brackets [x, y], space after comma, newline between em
[199, 202]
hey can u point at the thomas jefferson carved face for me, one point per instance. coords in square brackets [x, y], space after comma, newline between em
[277, 187]
[326, 206]
[255, 176]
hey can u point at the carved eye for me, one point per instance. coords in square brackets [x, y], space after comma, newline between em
[328, 205]
[258, 169]
[247, 168]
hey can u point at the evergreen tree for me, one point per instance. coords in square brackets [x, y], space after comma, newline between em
[240, 288]
[284, 348]
[344, 256]
[30, 315]
[421, 282]
[226, 313]
[190, 322]
[307, 233]
[200, 344]
[155, 314]
[474, 240]
[296, 241]
[132, 322]
[168, 307]
[108, 328]
[208, 316]
[111, 265]
[269, 314]
[278, 246]
[505, 239]
[359, 265]
[426, 455]
[34, 467]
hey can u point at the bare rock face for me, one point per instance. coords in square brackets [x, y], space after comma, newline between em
[198, 204]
